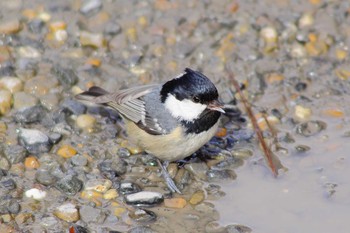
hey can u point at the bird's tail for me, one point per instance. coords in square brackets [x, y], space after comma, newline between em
[92, 94]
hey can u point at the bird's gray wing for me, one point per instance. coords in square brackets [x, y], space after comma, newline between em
[129, 103]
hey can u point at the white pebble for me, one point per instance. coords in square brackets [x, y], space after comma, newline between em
[36, 194]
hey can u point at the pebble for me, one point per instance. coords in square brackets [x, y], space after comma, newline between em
[30, 115]
[242, 153]
[69, 185]
[90, 214]
[34, 141]
[11, 84]
[31, 162]
[91, 194]
[98, 185]
[10, 26]
[55, 137]
[67, 212]
[176, 202]
[40, 85]
[110, 194]
[142, 216]
[86, 121]
[236, 228]
[73, 106]
[219, 175]
[44, 177]
[50, 100]
[302, 148]
[90, 7]
[28, 52]
[9, 206]
[79, 160]
[66, 76]
[24, 100]
[197, 198]
[119, 211]
[113, 168]
[92, 39]
[129, 188]
[310, 128]
[66, 151]
[199, 170]
[4, 165]
[8, 184]
[5, 101]
[15, 153]
[24, 218]
[144, 198]
[302, 113]
[36, 194]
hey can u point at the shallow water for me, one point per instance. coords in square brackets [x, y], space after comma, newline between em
[312, 196]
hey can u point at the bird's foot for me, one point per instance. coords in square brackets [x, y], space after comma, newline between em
[169, 181]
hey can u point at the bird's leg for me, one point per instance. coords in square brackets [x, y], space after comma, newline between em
[170, 182]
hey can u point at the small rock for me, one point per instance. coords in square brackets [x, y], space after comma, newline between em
[119, 211]
[112, 168]
[48, 221]
[300, 86]
[73, 106]
[9, 206]
[98, 185]
[69, 185]
[10, 26]
[45, 177]
[91, 39]
[28, 52]
[30, 115]
[90, 7]
[67, 212]
[197, 198]
[31, 162]
[142, 216]
[238, 229]
[8, 184]
[50, 100]
[112, 28]
[11, 84]
[5, 101]
[79, 161]
[23, 100]
[65, 76]
[144, 198]
[4, 164]
[197, 169]
[302, 148]
[228, 163]
[128, 188]
[40, 85]
[242, 153]
[86, 121]
[311, 128]
[23, 218]
[302, 113]
[34, 141]
[66, 151]
[92, 215]
[176, 202]
[15, 153]
[110, 194]
[91, 194]
[55, 137]
[36, 194]
[219, 175]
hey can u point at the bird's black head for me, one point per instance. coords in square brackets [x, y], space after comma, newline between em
[191, 85]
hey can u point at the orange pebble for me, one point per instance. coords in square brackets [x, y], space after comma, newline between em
[94, 62]
[334, 113]
[31, 162]
[222, 132]
[66, 151]
[176, 202]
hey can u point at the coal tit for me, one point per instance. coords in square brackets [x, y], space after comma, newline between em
[170, 121]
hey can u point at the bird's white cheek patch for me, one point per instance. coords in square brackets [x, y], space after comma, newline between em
[185, 109]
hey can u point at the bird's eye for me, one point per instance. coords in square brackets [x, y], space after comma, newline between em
[195, 99]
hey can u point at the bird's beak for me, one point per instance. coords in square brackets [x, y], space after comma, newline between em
[216, 106]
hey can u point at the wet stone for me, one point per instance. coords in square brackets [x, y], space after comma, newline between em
[98, 185]
[15, 153]
[197, 169]
[112, 169]
[78, 229]
[219, 175]
[34, 141]
[144, 198]
[123, 153]
[310, 128]
[65, 76]
[69, 185]
[302, 148]
[79, 160]
[129, 188]
[92, 215]
[112, 28]
[9, 205]
[36, 194]
[67, 212]
[5, 101]
[5, 164]
[142, 216]
[23, 100]
[230, 162]
[73, 106]
[90, 7]
[50, 100]
[55, 137]
[8, 184]
[11, 84]
[45, 177]
[30, 115]
[236, 228]
[36, 25]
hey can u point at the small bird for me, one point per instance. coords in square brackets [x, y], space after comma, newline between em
[170, 121]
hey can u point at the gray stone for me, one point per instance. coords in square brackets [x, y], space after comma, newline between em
[144, 198]
[30, 114]
[219, 175]
[34, 141]
[92, 215]
[69, 185]
[15, 153]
